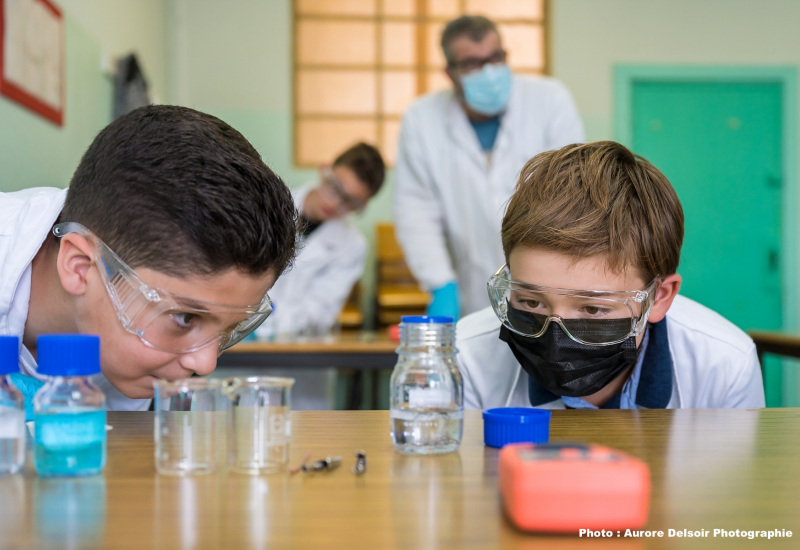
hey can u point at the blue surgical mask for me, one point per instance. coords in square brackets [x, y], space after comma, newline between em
[487, 91]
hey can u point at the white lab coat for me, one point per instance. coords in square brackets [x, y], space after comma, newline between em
[26, 218]
[450, 197]
[310, 295]
[714, 362]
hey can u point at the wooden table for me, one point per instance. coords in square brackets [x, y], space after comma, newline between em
[360, 350]
[711, 469]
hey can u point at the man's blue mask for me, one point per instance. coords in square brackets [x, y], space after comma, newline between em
[487, 91]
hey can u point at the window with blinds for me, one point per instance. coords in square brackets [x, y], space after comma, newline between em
[359, 63]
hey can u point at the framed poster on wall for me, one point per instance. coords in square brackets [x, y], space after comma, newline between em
[32, 56]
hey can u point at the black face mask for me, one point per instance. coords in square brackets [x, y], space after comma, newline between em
[563, 366]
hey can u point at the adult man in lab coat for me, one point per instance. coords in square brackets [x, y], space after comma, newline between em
[308, 298]
[459, 155]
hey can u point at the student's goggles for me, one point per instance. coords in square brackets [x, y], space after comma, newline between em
[594, 317]
[163, 320]
[347, 203]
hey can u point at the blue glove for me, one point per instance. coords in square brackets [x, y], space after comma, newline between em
[445, 301]
[27, 386]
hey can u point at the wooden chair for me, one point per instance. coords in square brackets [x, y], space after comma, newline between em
[777, 343]
[397, 292]
[352, 317]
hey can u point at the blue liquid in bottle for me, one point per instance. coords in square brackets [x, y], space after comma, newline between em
[70, 442]
[12, 409]
[69, 411]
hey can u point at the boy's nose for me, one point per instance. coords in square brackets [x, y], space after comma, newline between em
[202, 362]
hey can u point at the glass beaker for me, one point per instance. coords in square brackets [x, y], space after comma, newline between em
[188, 412]
[259, 423]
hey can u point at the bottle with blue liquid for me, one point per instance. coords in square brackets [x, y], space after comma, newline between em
[69, 410]
[12, 409]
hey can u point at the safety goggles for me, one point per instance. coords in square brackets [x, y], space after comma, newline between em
[594, 317]
[334, 188]
[472, 64]
[163, 320]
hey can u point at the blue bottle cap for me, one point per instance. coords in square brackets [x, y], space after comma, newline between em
[68, 354]
[515, 425]
[425, 319]
[9, 354]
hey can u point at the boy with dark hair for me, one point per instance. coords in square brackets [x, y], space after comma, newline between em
[165, 244]
[309, 298]
[586, 311]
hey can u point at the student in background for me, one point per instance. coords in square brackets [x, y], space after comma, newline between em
[165, 244]
[459, 153]
[309, 297]
[585, 312]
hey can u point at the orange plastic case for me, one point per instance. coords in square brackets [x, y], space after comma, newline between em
[565, 487]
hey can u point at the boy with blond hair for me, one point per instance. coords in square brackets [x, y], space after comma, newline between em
[586, 312]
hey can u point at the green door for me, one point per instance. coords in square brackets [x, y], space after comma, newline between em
[719, 143]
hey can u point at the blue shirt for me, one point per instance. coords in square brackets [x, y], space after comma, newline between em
[486, 131]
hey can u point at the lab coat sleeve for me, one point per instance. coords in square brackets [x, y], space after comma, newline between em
[565, 125]
[323, 300]
[747, 389]
[471, 398]
[419, 220]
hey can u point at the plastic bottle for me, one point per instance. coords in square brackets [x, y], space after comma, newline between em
[69, 410]
[427, 391]
[12, 409]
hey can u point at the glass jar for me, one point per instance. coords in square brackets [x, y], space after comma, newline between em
[427, 391]
[12, 409]
[69, 411]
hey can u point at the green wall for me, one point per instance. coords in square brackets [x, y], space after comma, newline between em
[33, 151]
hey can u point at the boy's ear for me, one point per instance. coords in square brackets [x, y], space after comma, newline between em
[73, 262]
[665, 294]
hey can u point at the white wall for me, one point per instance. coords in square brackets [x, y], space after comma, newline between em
[94, 30]
[233, 59]
[588, 37]
[128, 26]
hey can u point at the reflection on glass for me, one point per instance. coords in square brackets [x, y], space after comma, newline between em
[319, 140]
[336, 92]
[336, 42]
[429, 492]
[187, 511]
[398, 44]
[12, 505]
[70, 512]
[257, 505]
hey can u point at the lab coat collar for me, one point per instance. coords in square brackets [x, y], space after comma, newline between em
[655, 382]
[461, 131]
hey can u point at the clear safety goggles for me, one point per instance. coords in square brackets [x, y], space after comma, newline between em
[334, 188]
[163, 320]
[593, 317]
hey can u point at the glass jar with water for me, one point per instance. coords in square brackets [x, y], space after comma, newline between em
[427, 391]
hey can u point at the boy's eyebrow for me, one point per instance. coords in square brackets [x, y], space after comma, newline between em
[570, 291]
[190, 303]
